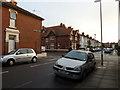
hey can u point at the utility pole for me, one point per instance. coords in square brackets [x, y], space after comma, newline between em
[101, 30]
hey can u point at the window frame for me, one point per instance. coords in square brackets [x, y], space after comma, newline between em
[22, 50]
[52, 45]
[52, 37]
[31, 51]
[13, 17]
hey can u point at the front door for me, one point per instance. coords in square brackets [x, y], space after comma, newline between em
[21, 55]
[11, 43]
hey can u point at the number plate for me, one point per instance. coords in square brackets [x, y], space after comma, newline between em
[63, 72]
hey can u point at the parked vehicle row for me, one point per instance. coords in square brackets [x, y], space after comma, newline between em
[76, 64]
[108, 50]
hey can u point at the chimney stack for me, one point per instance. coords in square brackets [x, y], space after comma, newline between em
[82, 33]
[61, 24]
[13, 2]
[43, 28]
[87, 35]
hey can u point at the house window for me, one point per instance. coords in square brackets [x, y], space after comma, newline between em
[76, 38]
[12, 19]
[71, 37]
[58, 45]
[52, 46]
[43, 31]
[51, 37]
[46, 39]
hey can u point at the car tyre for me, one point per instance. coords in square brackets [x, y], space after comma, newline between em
[34, 59]
[10, 63]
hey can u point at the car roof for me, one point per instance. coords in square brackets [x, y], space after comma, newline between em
[25, 48]
[82, 51]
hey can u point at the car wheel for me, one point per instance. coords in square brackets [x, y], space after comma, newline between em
[34, 60]
[10, 62]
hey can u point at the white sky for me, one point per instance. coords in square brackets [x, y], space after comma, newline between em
[80, 14]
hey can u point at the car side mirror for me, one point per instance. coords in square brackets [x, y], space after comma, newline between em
[90, 56]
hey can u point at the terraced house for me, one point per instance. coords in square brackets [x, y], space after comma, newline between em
[60, 37]
[87, 41]
[18, 27]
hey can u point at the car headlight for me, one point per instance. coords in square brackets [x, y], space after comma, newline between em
[56, 63]
[78, 68]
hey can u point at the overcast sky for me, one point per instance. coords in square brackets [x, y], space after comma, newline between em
[80, 14]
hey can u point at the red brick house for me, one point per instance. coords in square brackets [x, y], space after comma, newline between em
[60, 37]
[18, 26]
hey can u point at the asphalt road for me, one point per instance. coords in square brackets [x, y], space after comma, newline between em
[40, 75]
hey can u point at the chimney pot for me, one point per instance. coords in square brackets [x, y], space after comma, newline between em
[13, 2]
[82, 33]
[61, 24]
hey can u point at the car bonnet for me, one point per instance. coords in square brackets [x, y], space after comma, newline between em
[69, 62]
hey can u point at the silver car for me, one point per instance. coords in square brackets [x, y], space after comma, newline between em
[19, 55]
[75, 65]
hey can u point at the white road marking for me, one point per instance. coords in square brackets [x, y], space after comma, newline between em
[40, 64]
[23, 84]
[101, 67]
[52, 60]
[4, 72]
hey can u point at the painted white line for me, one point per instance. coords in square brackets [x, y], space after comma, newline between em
[41, 64]
[23, 84]
[52, 60]
[4, 72]
[101, 67]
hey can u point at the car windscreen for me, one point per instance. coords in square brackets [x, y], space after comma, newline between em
[76, 55]
[13, 51]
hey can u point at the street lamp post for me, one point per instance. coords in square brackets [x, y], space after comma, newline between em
[95, 40]
[101, 30]
[118, 18]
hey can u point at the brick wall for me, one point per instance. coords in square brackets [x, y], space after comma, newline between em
[28, 37]
[26, 25]
[5, 24]
[64, 42]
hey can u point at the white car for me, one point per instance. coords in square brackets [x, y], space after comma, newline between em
[19, 55]
[75, 64]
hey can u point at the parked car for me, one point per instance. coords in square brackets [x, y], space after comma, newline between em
[19, 55]
[76, 64]
[92, 49]
[107, 50]
[97, 49]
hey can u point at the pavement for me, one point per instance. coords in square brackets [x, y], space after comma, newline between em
[45, 56]
[106, 76]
